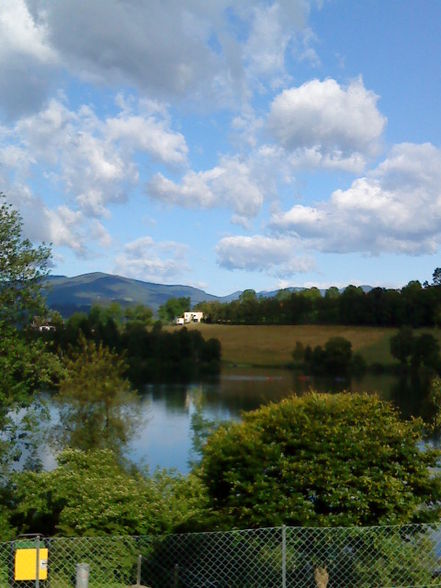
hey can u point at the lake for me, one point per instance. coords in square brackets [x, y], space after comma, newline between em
[164, 437]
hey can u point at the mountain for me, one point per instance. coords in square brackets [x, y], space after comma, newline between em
[79, 293]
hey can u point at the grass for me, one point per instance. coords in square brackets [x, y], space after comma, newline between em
[272, 345]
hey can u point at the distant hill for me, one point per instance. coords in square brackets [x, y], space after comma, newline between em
[79, 293]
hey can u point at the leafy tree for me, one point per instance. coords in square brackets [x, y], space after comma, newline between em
[338, 355]
[22, 268]
[24, 361]
[436, 277]
[89, 493]
[434, 399]
[331, 460]
[426, 351]
[138, 315]
[97, 405]
[173, 308]
[401, 344]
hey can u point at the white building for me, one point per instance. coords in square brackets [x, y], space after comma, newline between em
[193, 316]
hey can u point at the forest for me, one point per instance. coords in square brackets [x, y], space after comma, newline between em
[416, 305]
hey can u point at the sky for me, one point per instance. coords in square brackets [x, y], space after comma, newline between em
[227, 144]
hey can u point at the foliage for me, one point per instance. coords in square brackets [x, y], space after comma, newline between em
[24, 361]
[138, 315]
[401, 344]
[321, 460]
[421, 350]
[97, 406]
[335, 358]
[173, 308]
[150, 353]
[22, 267]
[434, 399]
[415, 305]
[90, 493]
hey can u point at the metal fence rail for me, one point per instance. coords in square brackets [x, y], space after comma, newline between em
[282, 557]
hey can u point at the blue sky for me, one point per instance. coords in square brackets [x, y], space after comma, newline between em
[226, 144]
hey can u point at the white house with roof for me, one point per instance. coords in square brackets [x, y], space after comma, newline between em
[192, 316]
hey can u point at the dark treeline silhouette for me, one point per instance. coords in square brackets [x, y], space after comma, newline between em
[149, 351]
[415, 305]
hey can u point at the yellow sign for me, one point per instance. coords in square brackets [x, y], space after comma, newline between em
[26, 564]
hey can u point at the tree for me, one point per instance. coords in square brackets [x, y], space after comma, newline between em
[24, 361]
[97, 406]
[138, 315]
[436, 277]
[426, 351]
[22, 269]
[325, 460]
[90, 493]
[401, 344]
[173, 308]
[338, 352]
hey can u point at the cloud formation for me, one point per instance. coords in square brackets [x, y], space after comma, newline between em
[231, 183]
[275, 256]
[205, 51]
[90, 158]
[395, 208]
[323, 123]
[145, 259]
[27, 61]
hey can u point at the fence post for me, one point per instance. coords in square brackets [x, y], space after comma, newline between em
[138, 571]
[176, 576]
[283, 556]
[37, 571]
[82, 580]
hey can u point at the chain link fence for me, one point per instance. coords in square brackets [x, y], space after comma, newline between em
[283, 557]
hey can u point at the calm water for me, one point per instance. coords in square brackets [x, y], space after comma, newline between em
[164, 434]
[165, 437]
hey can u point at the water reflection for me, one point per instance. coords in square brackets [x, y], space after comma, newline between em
[166, 409]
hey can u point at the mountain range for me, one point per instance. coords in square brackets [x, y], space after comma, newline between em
[79, 293]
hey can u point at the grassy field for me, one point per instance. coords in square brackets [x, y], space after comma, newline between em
[272, 345]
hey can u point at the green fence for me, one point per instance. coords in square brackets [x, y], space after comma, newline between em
[386, 556]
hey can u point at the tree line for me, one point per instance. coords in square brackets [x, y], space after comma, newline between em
[149, 350]
[416, 305]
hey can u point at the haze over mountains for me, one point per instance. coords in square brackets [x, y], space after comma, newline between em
[79, 293]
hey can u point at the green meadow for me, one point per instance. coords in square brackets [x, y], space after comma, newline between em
[272, 345]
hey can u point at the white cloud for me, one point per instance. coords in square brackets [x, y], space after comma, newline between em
[394, 208]
[92, 158]
[231, 183]
[88, 160]
[212, 52]
[327, 124]
[274, 256]
[267, 42]
[145, 259]
[61, 226]
[27, 61]
[150, 135]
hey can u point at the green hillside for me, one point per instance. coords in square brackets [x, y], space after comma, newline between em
[79, 293]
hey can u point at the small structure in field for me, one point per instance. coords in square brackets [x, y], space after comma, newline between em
[192, 316]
